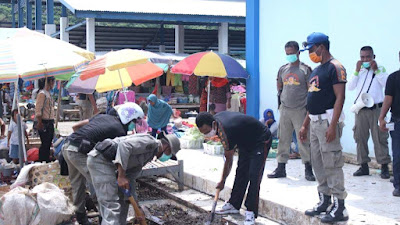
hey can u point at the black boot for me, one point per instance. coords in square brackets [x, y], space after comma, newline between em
[337, 213]
[323, 204]
[363, 170]
[82, 219]
[308, 172]
[385, 171]
[279, 172]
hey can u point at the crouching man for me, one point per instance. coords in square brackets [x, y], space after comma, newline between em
[127, 155]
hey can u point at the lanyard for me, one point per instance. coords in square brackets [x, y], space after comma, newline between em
[373, 76]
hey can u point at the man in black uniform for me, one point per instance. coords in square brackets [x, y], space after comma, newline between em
[86, 134]
[253, 140]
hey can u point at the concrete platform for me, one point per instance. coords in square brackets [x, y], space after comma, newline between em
[369, 200]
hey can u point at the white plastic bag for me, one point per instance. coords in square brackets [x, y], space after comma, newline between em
[18, 207]
[54, 206]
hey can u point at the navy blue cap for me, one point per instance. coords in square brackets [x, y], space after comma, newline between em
[315, 38]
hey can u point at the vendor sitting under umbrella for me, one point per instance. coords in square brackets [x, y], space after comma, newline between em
[128, 155]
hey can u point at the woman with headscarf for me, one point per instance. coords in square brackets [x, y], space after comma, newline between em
[269, 120]
[159, 114]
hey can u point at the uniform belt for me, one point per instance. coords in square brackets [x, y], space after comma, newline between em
[73, 143]
[379, 105]
[318, 117]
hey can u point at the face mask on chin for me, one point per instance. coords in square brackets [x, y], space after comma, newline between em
[314, 57]
[165, 157]
[131, 126]
[212, 133]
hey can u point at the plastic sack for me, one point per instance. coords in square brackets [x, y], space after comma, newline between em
[54, 206]
[19, 207]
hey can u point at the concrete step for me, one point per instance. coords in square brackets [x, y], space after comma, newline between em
[369, 200]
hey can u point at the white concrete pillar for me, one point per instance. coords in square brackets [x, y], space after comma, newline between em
[64, 35]
[223, 38]
[179, 39]
[49, 29]
[90, 35]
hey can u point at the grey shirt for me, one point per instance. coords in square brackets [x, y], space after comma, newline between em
[135, 151]
[294, 80]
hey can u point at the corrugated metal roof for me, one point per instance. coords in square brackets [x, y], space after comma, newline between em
[232, 8]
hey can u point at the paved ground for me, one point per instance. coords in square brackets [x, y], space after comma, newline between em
[370, 199]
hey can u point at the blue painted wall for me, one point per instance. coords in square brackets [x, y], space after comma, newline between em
[349, 25]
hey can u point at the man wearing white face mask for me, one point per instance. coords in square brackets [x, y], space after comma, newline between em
[292, 83]
[370, 78]
[253, 139]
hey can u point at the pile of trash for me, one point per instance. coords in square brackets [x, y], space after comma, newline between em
[45, 204]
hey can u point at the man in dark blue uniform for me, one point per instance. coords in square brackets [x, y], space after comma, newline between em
[325, 120]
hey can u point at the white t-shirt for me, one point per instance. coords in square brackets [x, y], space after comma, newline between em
[13, 128]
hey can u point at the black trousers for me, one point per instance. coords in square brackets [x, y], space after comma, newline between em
[46, 137]
[250, 169]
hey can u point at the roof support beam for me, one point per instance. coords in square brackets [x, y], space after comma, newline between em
[20, 13]
[223, 38]
[38, 15]
[50, 11]
[64, 35]
[12, 13]
[179, 39]
[162, 38]
[29, 14]
[64, 12]
[90, 34]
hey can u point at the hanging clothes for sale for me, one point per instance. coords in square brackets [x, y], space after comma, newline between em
[130, 95]
[170, 79]
[235, 103]
[193, 86]
[178, 80]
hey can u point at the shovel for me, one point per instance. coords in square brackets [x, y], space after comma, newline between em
[212, 214]
[136, 208]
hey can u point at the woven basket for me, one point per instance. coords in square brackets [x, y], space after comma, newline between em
[50, 172]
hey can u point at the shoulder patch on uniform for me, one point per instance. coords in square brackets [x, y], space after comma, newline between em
[280, 68]
[340, 70]
[305, 67]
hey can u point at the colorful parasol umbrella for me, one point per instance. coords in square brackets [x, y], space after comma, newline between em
[32, 55]
[108, 81]
[210, 64]
[116, 60]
